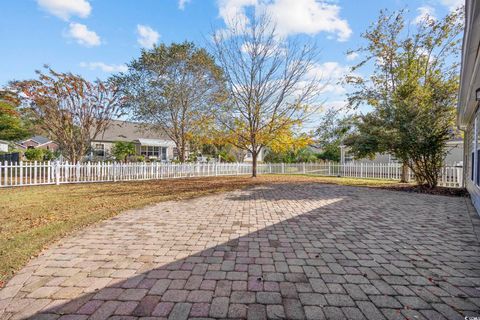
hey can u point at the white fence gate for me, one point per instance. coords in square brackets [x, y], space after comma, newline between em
[41, 173]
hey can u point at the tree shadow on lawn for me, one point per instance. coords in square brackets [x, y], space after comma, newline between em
[282, 251]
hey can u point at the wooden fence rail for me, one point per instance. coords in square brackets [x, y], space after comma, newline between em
[42, 173]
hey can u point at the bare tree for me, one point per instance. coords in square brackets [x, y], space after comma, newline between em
[70, 109]
[172, 88]
[271, 82]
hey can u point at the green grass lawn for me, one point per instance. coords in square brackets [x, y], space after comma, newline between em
[31, 218]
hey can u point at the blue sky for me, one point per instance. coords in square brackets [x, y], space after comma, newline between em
[97, 37]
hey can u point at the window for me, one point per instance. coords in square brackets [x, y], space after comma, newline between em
[164, 153]
[478, 168]
[154, 152]
[476, 148]
[470, 145]
[471, 162]
[99, 149]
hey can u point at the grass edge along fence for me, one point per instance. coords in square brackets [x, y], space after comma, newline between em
[44, 173]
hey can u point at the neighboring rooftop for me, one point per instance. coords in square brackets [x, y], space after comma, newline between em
[130, 131]
[37, 139]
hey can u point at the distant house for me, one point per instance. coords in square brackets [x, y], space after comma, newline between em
[148, 141]
[38, 142]
[468, 113]
[378, 158]
[453, 157]
[248, 156]
[454, 152]
[3, 146]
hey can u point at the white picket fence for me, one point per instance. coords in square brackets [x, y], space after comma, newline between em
[43, 173]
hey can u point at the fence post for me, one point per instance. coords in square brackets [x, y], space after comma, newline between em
[77, 171]
[5, 172]
[114, 171]
[34, 172]
[460, 177]
[57, 173]
[283, 167]
[21, 173]
[304, 170]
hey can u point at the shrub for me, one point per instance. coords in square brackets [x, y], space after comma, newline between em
[139, 158]
[121, 150]
[48, 155]
[34, 154]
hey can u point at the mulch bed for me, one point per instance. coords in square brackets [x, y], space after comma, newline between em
[441, 191]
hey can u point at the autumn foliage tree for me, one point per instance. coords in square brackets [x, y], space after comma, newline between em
[70, 109]
[269, 82]
[290, 146]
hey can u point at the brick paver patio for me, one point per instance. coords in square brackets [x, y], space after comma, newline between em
[297, 251]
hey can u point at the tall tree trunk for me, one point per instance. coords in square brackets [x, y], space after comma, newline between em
[180, 151]
[404, 176]
[254, 162]
[182, 154]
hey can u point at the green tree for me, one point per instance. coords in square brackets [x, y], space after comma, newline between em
[331, 132]
[11, 125]
[412, 90]
[304, 154]
[173, 88]
[122, 149]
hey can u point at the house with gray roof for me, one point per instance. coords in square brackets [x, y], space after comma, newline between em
[38, 142]
[149, 141]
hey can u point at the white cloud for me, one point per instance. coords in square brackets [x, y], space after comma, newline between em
[452, 4]
[352, 56]
[425, 13]
[336, 104]
[64, 9]
[147, 37]
[290, 16]
[332, 73]
[83, 35]
[308, 16]
[109, 68]
[182, 3]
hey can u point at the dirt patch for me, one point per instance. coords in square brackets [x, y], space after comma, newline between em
[441, 191]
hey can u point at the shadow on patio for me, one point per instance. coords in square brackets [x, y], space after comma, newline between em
[284, 251]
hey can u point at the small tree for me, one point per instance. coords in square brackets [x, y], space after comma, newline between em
[70, 109]
[413, 92]
[173, 88]
[332, 130]
[121, 150]
[269, 81]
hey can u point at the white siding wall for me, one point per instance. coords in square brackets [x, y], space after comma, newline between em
[3, 147]
[471, 146]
